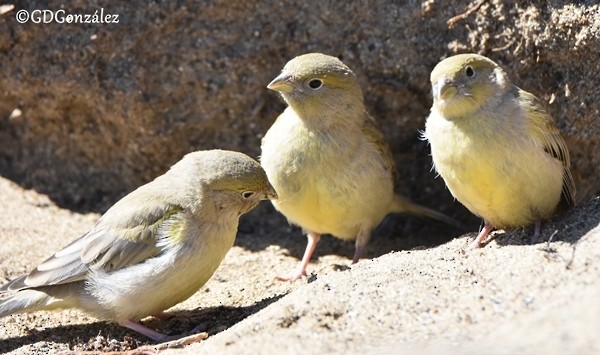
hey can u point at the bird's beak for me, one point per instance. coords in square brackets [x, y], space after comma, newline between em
[272, 194]
[282, 83]
[444, 89]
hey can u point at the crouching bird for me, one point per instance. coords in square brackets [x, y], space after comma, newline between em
[151, 250]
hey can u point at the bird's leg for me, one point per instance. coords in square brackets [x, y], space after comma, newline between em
[313, 239]
[165, 341]
[478, 242]
[537, 233]
[361, 241]
[137, 327]
[358, 250]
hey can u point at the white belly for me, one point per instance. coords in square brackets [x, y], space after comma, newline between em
[163, 281]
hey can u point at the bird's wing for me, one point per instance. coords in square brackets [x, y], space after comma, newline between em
[375, 136]
[123, 236]
[544, 129]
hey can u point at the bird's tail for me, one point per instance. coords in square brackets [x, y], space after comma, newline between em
[403, 205]
[32, 300]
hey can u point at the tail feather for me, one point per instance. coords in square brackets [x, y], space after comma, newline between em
[32, 300]
[401, 204]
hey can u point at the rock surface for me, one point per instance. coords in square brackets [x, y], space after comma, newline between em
[88, 112]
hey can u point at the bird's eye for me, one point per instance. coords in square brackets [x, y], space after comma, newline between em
[469, 71]
[247, 194]
[315, 84]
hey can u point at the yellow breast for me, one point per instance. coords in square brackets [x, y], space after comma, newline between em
[507, 179]
[326, 182]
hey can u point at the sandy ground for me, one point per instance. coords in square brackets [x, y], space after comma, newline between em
[510, 297]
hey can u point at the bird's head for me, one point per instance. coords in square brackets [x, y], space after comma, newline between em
[234, 181]
[464, 83]
[314, 84]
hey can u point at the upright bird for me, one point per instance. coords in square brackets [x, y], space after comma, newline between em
[495, 146]
[329, 163]
[151, 250]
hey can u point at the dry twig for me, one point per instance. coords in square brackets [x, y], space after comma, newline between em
[474, 7]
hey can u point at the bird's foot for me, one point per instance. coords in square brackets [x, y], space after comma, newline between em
[164, 341]
[297, 275]
[537, 233]
[480, 241]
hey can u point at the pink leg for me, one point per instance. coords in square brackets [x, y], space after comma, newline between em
[313, 239]
[357, 254]
[362, 238]
[152, 334]
[478, 242]
[537, 231]
[166, 342]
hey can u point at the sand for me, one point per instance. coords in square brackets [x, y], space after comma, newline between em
[510, 297]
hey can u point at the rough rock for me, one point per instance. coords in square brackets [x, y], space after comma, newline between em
[90, 111]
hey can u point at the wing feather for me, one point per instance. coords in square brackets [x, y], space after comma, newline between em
[116, 241]
[375, 136]
[545, 130]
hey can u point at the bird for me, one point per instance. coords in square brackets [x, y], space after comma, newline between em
[328, 161]
[496, 147]
[152, 249]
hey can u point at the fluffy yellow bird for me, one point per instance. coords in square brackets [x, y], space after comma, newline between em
[495, 146]
[154, 248]
[329, 163]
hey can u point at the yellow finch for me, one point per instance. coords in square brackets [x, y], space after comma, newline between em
[495, 146]
[154, 248]
[329, 163]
